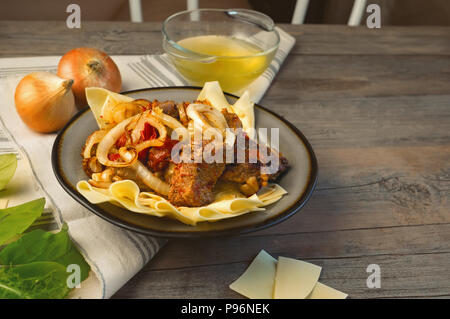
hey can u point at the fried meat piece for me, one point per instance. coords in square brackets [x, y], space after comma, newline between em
[192, 184]
[249, 174]
[168, 107]
[158, 158]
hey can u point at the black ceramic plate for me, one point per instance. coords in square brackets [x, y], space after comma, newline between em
[299, 181]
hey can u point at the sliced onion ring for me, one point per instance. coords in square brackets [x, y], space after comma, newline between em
[147, 177]
[91, 166]
[153, 121]
[99, 184]
[125, 110]
[132, 124]
[182, 113]
[104, 176]
[172, 123]
[150, 143]
[109, 140]
[93, 139]
[207, 116]
[146, 104]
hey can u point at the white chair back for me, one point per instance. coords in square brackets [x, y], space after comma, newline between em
[355, 16]
[298, 17]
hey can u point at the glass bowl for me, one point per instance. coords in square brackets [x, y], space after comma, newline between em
[232, 46]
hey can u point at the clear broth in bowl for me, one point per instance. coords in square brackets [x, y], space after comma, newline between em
[236, 64]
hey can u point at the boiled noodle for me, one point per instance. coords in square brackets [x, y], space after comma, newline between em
[227, 204]
[228, 200]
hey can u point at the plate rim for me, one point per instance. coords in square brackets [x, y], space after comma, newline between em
[102, 213]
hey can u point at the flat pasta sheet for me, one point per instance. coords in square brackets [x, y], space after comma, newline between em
[229, 202]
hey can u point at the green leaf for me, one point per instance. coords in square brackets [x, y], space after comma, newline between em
[39, 245]
[8, 165]
[43, 280]
[15, 220]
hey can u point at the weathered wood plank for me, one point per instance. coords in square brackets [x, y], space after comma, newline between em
[389, 40]
[363, 122]
[323, 77]
[382, 161]
[306, 245]
[388, 203]
[54, 38]
[401, 276]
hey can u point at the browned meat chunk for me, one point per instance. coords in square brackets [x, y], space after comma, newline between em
[249, 174]
[283, 166]
[168, 107]
[241, 172]
[192, 184]
[158, 158]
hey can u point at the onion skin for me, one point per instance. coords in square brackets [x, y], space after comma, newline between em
[44, 101]
[89, 67]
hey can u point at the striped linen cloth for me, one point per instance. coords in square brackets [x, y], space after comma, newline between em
[115, 254]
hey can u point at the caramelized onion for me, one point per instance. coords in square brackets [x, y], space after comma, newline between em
[109, 140]
[150, 143]
[91, 166]
[125, 110]
[207, 116]
[146, 104]
[153, 121]
[99, 184]
[172, 123]
[92, 140]
[182, 113]
[147, 177]
[105, 176]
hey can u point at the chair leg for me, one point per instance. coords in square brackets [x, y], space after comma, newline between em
[135, 10]
[301, 6]
[192, 5]
[357, 12]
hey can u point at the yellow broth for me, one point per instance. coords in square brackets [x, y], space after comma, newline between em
[237, 62]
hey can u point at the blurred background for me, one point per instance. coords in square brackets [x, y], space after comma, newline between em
[393, 12]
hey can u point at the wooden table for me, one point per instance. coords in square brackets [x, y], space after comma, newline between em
[375, 105]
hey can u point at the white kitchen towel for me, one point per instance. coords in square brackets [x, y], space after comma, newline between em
[114, 254]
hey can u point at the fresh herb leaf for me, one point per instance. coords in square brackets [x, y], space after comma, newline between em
[8, 165]
[39, 245]
[15, 220]
[42, 280]
[35, 266]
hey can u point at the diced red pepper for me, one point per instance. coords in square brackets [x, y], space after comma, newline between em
[113, 156]
[121, 141]
[149, 132]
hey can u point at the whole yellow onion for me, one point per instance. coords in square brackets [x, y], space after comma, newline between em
[44, 101]
[89, 67]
